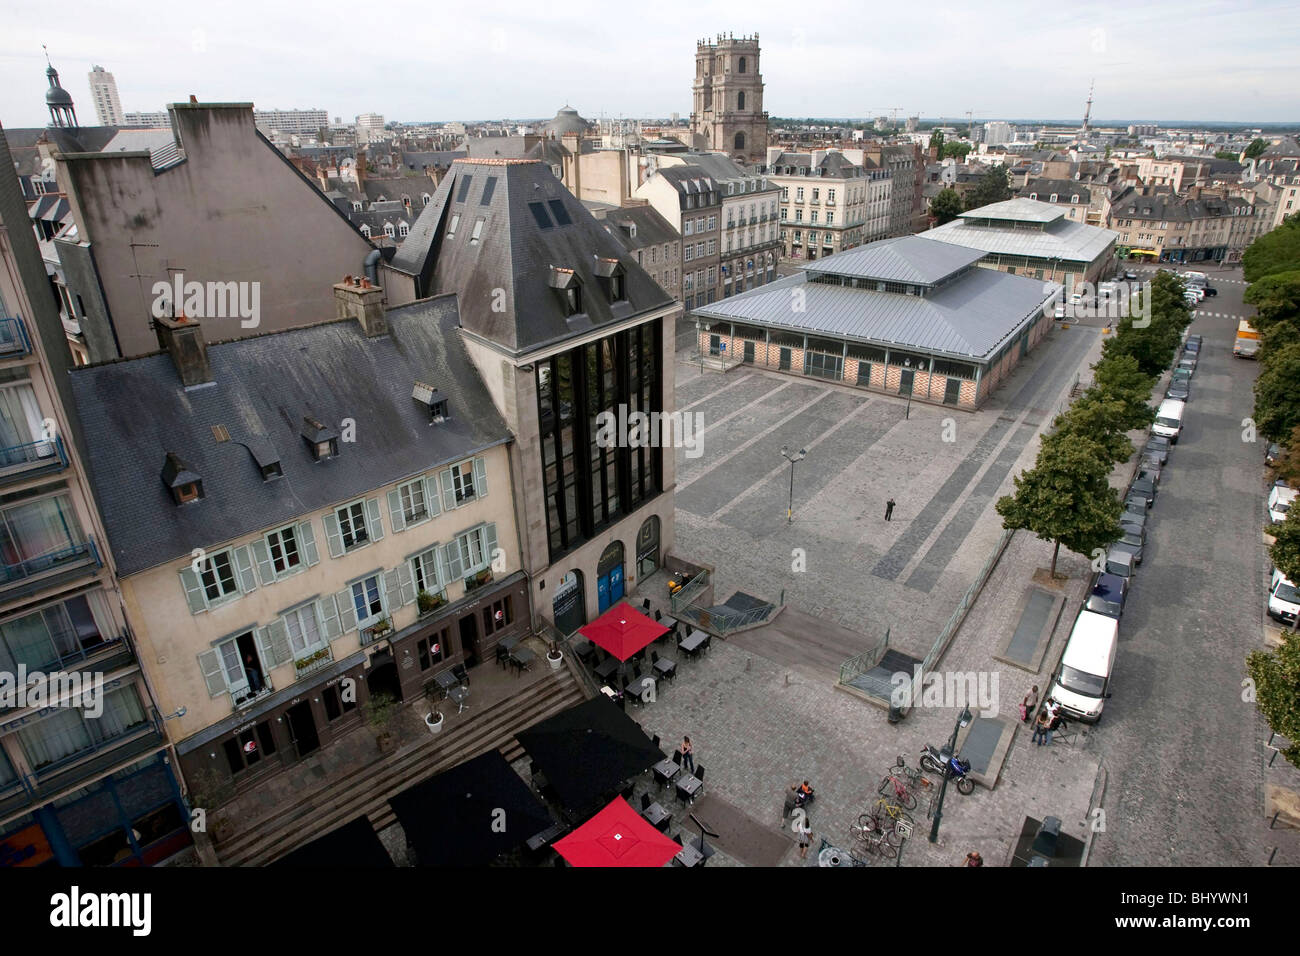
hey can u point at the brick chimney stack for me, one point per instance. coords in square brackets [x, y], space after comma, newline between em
[356, 298]
[182, 338]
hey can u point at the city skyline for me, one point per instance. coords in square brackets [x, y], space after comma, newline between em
[516, 63]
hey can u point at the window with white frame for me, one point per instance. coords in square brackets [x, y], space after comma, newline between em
[218, 577]
[426, 572]
[688, 227]
[414, 504]
[690, 252]
[798, 194]
[365, 230]
[352, 524]
[305, 635]
[282, 548]
[404, 230]
[713, 223]
[368, 600]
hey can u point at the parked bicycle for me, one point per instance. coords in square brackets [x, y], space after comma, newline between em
[873, 841]
[884, 817]
[901, 789]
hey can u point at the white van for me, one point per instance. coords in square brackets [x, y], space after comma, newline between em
[1169, 419]
[1081, 683]
[1283, 599]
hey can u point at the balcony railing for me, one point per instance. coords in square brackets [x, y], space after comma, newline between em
[381, 629]
[46, 454]
[13, 337]
[310, 664]
[73, 555]
[476, 581]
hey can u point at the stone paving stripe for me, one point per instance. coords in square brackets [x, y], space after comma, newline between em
[1023, 647]
[705, 383]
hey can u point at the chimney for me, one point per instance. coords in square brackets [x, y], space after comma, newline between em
[182, 338]
[357, 298]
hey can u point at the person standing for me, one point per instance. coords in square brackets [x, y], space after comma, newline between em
[688, 754]
[805, 836]
[1041, 733]
[1028, 705]
[973, 858]
[889, 510]
[791, 801]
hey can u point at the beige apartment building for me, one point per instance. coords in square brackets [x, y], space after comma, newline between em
[691, 201]
[302, 521]
[1169, 228]
[829, 201]
[750, 240]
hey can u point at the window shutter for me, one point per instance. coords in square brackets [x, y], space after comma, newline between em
[480, 477]
[455, 567]
[489, 542]
[244, 565]
[431, 496]
[374, 526]
[395, 511]
[406, 582]
[307, 542]
[347, 610]
[262, 555]
[392, 591]
[210, 665]
[333, 537]
[273, 642]
[329, 617]
[440, 558]
[448, 490]
[194, 593]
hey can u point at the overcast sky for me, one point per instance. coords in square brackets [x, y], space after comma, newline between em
[1153, 59]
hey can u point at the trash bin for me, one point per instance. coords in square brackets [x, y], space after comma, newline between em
[895, 713]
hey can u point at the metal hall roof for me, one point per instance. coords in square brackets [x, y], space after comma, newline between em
[912, 259]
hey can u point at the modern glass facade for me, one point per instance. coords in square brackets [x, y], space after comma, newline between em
[589, 486]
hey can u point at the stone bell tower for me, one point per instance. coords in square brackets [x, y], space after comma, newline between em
[727, 109]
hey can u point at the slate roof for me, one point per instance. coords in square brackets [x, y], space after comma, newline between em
[910, 259]
[135, 411]
[394, 188]
[520, 241]
[432, 159]
[652, 229]
[970, 318]
[1167, 207]
[496, 147]
[835, 165]
[1064, 189]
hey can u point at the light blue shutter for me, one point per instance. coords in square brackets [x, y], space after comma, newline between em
[455, 567]
[194, 592]
[347, 610]
[262, 555]
[392, 591]
[329, 617]
[273, 642]
[395, 511]
[431, 496]
[333, 537]
[490, 542]
[440, 559]
[406, 582]
[448, 490]
[307, 544]
[244, 565]
[480, 477]
[374, 526]
[210, 666]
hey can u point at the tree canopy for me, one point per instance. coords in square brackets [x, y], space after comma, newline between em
[992, 187]
[1276, 251]
[946, 206]
[956, 150]
[1256, 147]
[1277, 404]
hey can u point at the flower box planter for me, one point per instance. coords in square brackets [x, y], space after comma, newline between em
[429, 604]
[478, 580]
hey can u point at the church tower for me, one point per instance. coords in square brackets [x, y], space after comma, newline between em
[727, 109]
[59, 101]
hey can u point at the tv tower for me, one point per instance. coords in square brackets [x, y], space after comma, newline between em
[1087, 113]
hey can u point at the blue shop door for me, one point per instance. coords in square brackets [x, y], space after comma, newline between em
[602, 594]
[616, 584]
[609, 589]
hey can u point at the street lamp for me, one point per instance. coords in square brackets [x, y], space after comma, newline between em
[792, 459]
[962, 721]
[907, 364]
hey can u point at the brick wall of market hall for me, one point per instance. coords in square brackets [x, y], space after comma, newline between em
[926, 386]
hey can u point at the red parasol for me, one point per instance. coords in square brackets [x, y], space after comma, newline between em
[617, 836]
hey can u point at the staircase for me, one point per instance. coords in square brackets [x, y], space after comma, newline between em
[367, 789]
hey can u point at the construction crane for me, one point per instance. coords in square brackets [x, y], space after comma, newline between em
[970, 121]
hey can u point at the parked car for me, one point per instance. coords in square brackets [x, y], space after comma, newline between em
[1158, 448]
[1107, 594]
[1130, 276]
[1209, 290]
[1179, 391]
[1133, 540]
[1120, 564]
[1134, 514]
[1193, 343]
[1188, 362]
[1280, 499]
[1283, 599]
[1150, 470]
[1081, 683]
[1169, 420]
[1246, 348]
[1144, 488]
[1181, 375]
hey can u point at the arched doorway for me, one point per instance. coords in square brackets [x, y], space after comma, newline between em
[647, 541]
[609, 576]
[381, 675]
[569, 605]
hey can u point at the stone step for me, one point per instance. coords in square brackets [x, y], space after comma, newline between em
[368, 788]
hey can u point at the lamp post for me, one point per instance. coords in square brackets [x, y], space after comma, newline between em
[792, 459]
[962, 721]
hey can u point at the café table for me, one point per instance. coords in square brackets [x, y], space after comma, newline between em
[657, 816]
[511, 642]
[692, 642]
[446, 680]
[688, 785]
[640, 687]
[607, 668]
[689, 856]
[459, 695]
[523, 659]
[666, 769]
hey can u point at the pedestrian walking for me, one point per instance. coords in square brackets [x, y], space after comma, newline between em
[805, 837]
[791, 801]
[889, 509]
[1041, 725]
[1056, 721]
[1028, 705]
[688, 754]
[973, 858]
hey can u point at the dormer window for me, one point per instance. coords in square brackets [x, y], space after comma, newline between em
[433, 400]
[389, 231]
[365, 230]
[613, 277]
[266, 457]
[323, 441]
[356, 206]
[451, 228]
[182, 483]
[567, 283]
[573, 300]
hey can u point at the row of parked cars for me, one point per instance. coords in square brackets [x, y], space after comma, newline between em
[1081, 683]
[1283, 596]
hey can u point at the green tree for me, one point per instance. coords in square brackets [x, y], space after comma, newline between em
[1277, 673]
[945, 206]
[1120, 375]
[1276, 251]
[1276, 298]
[1256, 147]
[1066, 497]
[936, 143]
[1225, 154]
[1277, 400]
[992, 187]
[1097, 418]
[957, 150]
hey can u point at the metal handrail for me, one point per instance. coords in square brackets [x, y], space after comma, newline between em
[685, 595]
[856, 666]
[29, 567]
